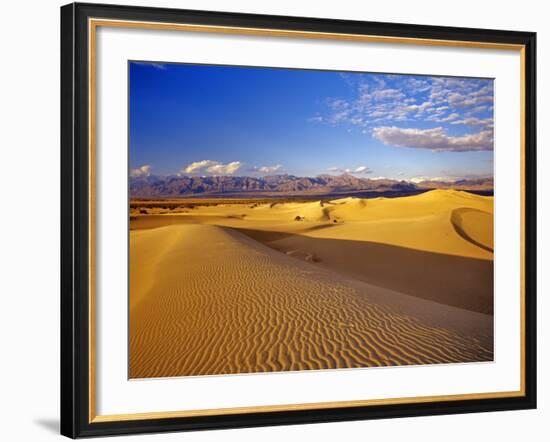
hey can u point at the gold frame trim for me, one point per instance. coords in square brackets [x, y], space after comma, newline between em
[93, 24]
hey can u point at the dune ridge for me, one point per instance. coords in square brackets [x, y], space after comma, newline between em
[475, 226]
[205, 299]
[421, 222]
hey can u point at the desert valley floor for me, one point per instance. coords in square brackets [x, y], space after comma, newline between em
[222, 286]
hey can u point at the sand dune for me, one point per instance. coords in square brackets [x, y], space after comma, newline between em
[421, 222]
[475, 226]
[220, 302]
[453, 280]
[252, 286]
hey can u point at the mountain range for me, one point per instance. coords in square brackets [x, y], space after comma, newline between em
[286, 185]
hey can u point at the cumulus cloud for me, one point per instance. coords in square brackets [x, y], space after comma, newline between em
[435, 139]
[141, 171]
[211, 167]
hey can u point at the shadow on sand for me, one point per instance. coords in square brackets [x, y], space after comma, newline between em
[452, 280]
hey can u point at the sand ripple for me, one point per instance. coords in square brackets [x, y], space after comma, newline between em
[213, 301]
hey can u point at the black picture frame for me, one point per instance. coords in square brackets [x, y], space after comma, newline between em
[75, 219]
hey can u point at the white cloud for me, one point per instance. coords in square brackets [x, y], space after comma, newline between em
[266, 169]
[211, 167]
[435, 139]
[357, 170]
[387, 94]
[418, 86]
[473, 121]
[442, 179]
[450, 117]
[362, 169]
[418, 179]
[465, 101]
[160, 66]
[316, 119]
[229, 168]
[198, 166]
[419, 108]
[478, 109]
[386, 99]
[142, 171]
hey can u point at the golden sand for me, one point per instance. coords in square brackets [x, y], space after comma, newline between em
[243, 287]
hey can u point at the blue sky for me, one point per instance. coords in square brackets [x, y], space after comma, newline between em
[224, 120]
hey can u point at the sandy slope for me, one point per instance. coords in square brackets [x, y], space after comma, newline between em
[209, 300]
[449, 279]
[435, 246]
[421, 222]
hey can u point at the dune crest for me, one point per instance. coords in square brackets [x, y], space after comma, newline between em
[475, 226]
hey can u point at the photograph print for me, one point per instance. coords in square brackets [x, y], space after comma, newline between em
[291, 219]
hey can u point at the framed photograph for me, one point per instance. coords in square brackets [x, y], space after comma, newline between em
[275, 220]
